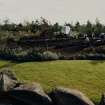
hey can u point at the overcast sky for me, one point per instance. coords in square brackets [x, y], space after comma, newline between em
[53, 10]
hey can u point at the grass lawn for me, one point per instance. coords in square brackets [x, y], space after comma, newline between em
[86, 76]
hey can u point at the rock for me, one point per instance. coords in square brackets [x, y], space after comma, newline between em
[7, 80]
[102, 99]
[5, 102]
[64, 96]
[30, 94]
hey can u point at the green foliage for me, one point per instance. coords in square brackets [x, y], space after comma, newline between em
[77, 27]
[44, 29]
[48, 55]
[27, 55]
[89, 29]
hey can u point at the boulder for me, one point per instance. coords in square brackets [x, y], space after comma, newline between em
[5, 102]
[30, 94]
[7, 80]
[102, 99]
[65, 96]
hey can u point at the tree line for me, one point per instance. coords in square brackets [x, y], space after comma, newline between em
[42, 28]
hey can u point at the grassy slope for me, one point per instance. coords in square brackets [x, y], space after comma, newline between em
[86, 76]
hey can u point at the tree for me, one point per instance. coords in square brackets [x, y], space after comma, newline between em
[6, 25]
[89, 29]
[98, 27]
[77, 27]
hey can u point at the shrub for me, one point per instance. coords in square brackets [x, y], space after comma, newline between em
[48, 55]
[95, 56]
[35, 56]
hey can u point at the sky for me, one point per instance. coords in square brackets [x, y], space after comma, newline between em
[53, 10]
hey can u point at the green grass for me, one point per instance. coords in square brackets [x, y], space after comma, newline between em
[86, 76]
